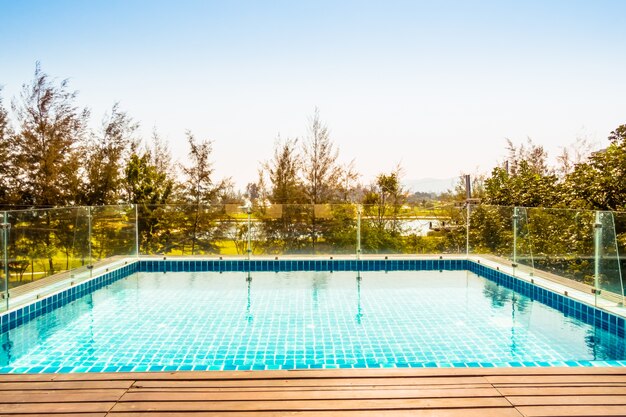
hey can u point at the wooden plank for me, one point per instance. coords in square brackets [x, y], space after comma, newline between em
[326, 373]
[50, 396]
[588, 390]
[542, 379]
[355, 373]
[572, 410]
[372, 379]
[563, 384]
[8, 386]
[111, 376]
[289, 405]
[309, 382]
[177, 395]
[570, 400]
[311, 388]
[449, 412]
[39, 408]
[57, 414]
[26, 377]
[368, 393]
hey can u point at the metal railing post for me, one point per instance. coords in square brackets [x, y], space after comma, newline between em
[136, 231]
[467, 227]
[249, 210]
[358, 232]
[515, 218]
[5, 243]
[597, 254]
[90, 266]
[468, 202]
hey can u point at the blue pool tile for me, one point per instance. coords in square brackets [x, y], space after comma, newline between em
[327, 356]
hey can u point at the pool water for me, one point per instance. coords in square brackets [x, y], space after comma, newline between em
[299, 320]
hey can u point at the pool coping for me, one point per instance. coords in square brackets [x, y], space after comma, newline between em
[568, 301]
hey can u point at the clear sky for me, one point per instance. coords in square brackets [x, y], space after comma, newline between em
[434, 85]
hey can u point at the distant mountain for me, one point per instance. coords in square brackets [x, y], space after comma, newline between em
[431, 185]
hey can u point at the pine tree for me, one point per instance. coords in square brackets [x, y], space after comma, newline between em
[200, 191]
[6, 173]
[46, 150]
[107, 153]
[320, 170]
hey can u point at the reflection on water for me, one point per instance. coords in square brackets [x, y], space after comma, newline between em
[359, 310]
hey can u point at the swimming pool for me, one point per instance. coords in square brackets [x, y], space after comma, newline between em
[301, 319]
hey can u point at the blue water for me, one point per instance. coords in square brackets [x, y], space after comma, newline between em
[205, 320]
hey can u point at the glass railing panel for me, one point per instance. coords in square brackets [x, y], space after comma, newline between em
[619, 218]
[562, 242]
[607, 274]
[523, 240]
[382, 229]
[182, 229]
[491, 232]
[236, 224]
[157, 230]
[333, 228]
[416, 230]
[303, 229]
[112, 232]
[434, 229]
[4, 261]
[45, 244]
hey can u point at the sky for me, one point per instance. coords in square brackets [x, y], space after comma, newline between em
[435, 86]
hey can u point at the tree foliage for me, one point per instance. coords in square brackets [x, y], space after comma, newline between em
[320, 171]
[283, 171]
[7, 176]
[107, 151]
[600, 182]
[382, 230]
[46, 151]
[201, 225]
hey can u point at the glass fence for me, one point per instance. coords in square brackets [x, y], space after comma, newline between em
[584, 247]
[45, 249]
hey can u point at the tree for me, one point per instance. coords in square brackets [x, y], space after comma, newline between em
[600, 183]
[321, 175]
[283, 172]
[45, 153]
[200, 192]
[284, 223]
[573, 155]
[525, 180]
[148, 187]
[106, 155]
[525, 188]
[46, 149]
[200, 187]
[533, 155]
[320, 172]
[161, 156]
[382, 204]
[6, 174]
[347, 185]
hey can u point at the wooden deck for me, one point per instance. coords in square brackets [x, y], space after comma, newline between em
[344, 393]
